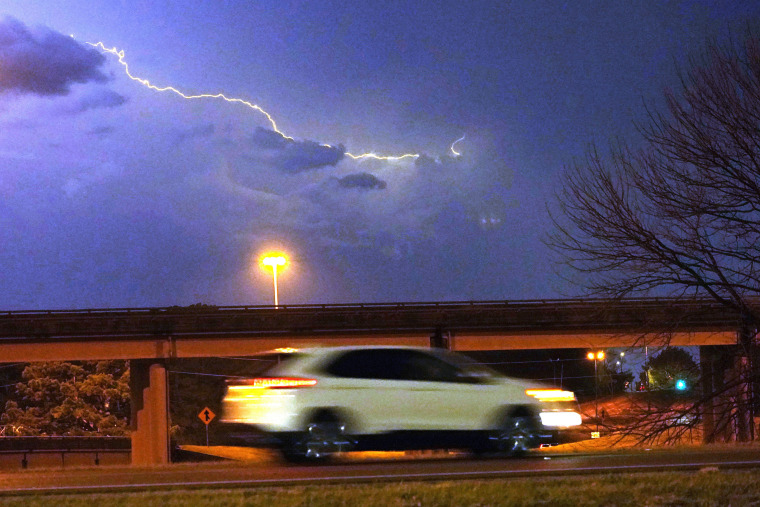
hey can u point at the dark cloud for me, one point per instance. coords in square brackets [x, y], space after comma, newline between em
[293, 156]
[425, 161]
[269, 139]
[362, 181]
[102, 131]
[44, 62]
[196, 131]
[100, 98]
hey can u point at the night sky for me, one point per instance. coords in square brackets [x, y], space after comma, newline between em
[114, 195]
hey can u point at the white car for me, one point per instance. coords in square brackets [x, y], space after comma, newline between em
[320, 401]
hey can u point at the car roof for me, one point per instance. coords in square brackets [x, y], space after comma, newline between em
[340, 348]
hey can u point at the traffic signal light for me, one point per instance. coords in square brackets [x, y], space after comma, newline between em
[680, 385]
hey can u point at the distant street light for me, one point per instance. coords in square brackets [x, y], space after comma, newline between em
[596, 357]
[274, 261]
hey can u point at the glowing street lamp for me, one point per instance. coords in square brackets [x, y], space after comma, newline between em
[596, 357]
[274, 261]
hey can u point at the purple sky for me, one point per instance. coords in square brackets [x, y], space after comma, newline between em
[112, 194]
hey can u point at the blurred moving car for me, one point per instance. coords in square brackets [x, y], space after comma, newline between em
[317, 402]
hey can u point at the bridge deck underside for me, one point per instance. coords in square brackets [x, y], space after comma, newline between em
[92, 348]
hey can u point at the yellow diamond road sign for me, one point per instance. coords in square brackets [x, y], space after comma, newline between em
[206, 416]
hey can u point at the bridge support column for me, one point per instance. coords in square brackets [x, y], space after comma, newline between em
[719, 423]
[442, 340]
[743, 372]
[708, 408]
[727, 413]
[150, 412]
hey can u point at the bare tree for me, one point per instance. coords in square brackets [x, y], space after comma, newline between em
[680, 216]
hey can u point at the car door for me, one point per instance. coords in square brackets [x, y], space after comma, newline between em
[397, 389]
[441, 396]
[368, 384]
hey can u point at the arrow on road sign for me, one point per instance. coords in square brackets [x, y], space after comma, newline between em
[206, 416]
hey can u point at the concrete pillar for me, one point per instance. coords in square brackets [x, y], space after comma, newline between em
[722, 399]
[718, 404]
[442, 340]
[741, 394]
[150, 412]
[744, 372]
[708, 407]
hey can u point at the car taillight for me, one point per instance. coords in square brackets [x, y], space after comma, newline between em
[551, 394]
[274, 383]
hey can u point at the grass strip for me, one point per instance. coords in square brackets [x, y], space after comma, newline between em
[707, 487]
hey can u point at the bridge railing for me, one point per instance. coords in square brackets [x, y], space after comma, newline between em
[48, 450]
[202, 308]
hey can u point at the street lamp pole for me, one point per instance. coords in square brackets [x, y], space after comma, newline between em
[274, 261]
[596, 396]
[274, 278]
[596, 357]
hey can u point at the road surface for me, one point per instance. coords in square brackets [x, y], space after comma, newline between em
[277, 473]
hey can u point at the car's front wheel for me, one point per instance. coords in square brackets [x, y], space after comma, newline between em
[518, 434]
[324, 436]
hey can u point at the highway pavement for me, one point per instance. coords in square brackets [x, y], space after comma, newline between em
[274, 472]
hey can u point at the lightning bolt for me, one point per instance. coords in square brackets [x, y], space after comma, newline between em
[121, 57]
[148, 84]
[455, 152]
[382, 157]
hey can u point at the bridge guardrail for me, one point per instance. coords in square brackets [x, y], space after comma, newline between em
[63, 443]
[200, 309]
[25, 446]
[647, 314]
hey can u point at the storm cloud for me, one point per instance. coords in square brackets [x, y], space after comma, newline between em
[198, 131]
[362, 181]
[44, 62]
[293, 156]
[100, 98]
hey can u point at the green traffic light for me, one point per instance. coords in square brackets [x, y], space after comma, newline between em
[680, 385]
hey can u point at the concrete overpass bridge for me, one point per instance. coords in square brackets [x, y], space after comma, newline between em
[150, 336]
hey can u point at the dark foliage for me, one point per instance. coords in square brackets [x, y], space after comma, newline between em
[62, 398]
[680, 216]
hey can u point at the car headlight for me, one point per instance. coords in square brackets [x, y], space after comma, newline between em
[558, 419]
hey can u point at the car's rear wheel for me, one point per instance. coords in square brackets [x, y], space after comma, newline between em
[518, 434]
[324, 436]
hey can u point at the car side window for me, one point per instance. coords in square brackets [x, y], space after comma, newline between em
[419, 366]
[353, 364]
[394, 364]
[379, 364]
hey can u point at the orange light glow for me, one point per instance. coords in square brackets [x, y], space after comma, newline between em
[591, 356]
[274, 260]
[551, 394]
[285, 350]
[274, 383]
